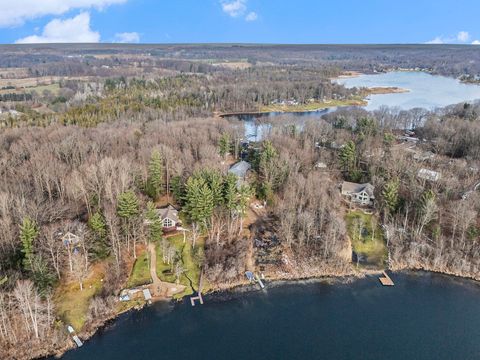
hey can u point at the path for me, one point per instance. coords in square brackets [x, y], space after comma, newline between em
[159, 288]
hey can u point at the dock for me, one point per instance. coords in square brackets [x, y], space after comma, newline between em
[253, 278]
[75, 338]
[199, 297]
[385, 280]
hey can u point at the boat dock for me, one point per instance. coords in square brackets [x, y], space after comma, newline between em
[199, 297]
[254, 279]
[75, 338]
[385, 280]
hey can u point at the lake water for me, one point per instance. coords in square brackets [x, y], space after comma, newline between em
[426, 90]
[424, 316]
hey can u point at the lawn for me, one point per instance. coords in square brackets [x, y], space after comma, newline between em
[72, 304]
[140, 272]
[189, 258]
[367, 237]
[313, 106]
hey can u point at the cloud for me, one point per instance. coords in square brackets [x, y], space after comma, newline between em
[476, 42]
[234, 8]
[16, 12]
[127, 37]
[437, 40]
[463, 36]
[73, 30]
[252, 16]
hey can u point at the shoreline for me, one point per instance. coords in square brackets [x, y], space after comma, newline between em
[244, 286]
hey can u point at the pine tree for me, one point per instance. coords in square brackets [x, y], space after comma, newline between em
[199, 201]
[97, 225]
[214, 180]
[178, 189]
[230, 192]
[224, 145]
[390, 195]
[28, 233]
[155, 227]
[155, 181]
[348, 156]
[127, 205]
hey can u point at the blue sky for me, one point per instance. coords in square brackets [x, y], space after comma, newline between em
[252, 21]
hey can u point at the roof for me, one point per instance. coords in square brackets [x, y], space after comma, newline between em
[240, 169]
[349, 187]
[168, 212]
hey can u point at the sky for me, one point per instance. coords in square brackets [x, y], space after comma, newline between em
[240, 21]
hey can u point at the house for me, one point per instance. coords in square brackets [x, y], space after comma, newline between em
[169, 217]
[362, 194]
[429, 175]
[240, 170]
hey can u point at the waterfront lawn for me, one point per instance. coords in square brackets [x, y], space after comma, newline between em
[190, 260]
[140, 272]
[317, 105]
[71, 303]
[367, 237]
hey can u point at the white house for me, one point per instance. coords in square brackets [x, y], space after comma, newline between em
[429, 175]
[362, 194]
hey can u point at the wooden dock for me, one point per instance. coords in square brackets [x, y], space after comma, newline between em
[385, 280]
[199, 296]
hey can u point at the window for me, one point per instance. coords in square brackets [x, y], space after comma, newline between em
[168, 223]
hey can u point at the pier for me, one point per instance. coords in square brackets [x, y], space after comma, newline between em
[385, 280]
[199, 297]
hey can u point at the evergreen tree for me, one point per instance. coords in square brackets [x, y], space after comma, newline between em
[127, 205]
[28, 233]
[98, 227]
[214, 180]
[155, 228]
[348, 156]
[390, 195]
[199, 201]
[230, 192]
[224, 145]
[178, 189]
[156, 174]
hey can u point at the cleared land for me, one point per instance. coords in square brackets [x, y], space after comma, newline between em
[367, 237]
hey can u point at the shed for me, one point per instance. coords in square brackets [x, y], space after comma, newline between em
[240, 169]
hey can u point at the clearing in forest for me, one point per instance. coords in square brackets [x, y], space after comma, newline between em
[367, 239]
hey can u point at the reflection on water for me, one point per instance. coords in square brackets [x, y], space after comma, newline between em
[425, 90]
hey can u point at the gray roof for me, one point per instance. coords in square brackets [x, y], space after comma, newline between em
[168, 212]
[354, 188]
[240, 169]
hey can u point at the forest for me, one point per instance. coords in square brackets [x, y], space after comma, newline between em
[95, 157]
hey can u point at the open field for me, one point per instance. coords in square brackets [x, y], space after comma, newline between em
[313, 106]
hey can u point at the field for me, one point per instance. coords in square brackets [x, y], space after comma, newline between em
[367, 238]
[313, 106]
[72, 304]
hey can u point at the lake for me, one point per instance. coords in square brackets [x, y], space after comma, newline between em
[424, 316]
[425, 90]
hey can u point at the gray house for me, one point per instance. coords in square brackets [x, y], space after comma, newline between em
[240, 170]
[362, 194]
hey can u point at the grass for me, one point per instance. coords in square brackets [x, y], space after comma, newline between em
[367, 237]
[189, 258]
[72, 304]
[317, 105]
[140, 272]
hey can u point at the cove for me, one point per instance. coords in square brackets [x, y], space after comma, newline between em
[424, 316]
